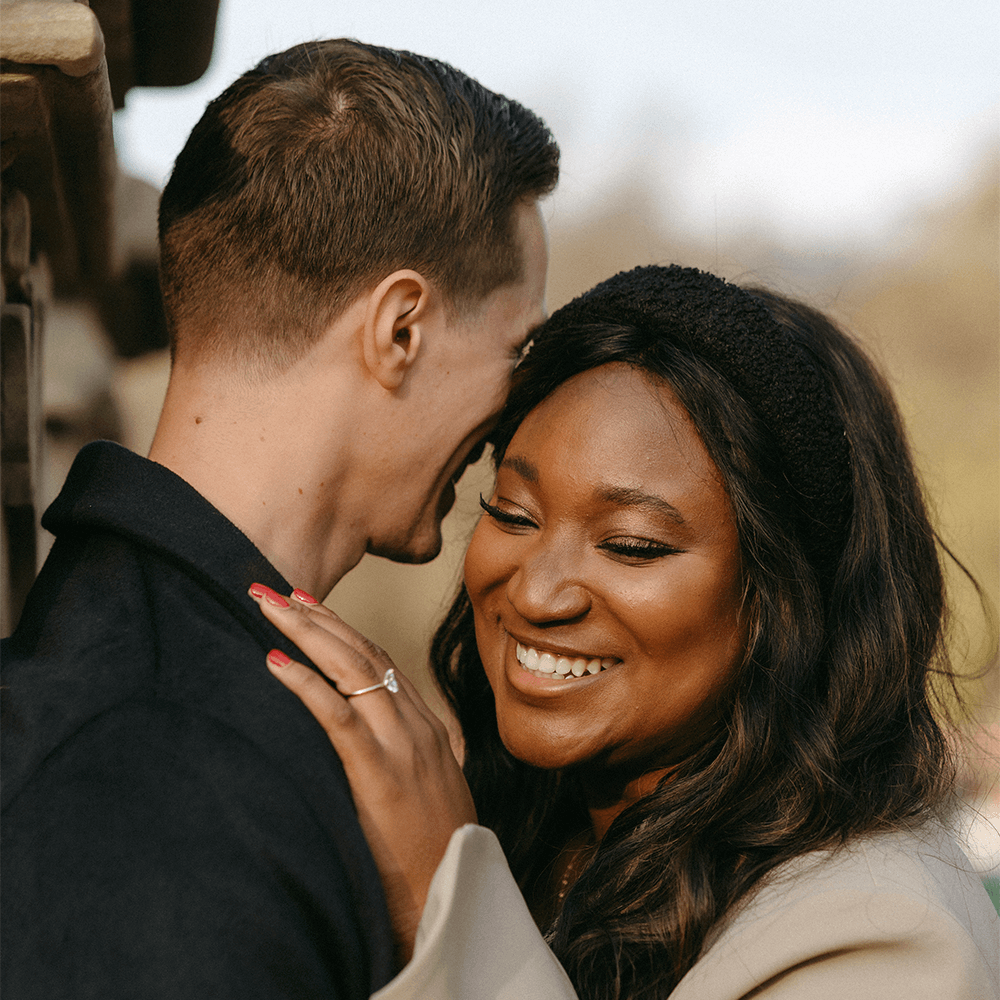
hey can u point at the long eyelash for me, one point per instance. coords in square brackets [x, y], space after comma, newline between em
[501, 516]
[632, 547]
[638, 548]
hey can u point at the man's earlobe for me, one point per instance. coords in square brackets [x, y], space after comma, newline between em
[396, 308]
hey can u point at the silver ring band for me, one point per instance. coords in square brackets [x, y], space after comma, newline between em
[388, 682]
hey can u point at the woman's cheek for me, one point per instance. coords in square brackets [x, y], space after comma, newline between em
[488, 564]
[488, 645]
[475, 564]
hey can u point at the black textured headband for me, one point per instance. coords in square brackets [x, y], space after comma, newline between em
[735, 332]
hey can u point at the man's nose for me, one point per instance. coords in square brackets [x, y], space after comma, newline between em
[547, 587]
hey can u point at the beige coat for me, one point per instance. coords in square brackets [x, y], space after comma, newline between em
[891, 917]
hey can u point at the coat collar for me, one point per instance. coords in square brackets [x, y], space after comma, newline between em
[112, 489]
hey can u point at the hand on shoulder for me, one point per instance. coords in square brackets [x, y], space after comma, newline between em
[409, 789]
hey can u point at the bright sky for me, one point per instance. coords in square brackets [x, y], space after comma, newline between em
[825, 121]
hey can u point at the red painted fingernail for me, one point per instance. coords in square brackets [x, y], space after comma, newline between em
[301, 595]
[266, 594]
[278, 659]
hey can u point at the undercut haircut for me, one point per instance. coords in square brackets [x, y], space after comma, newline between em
[323, 170]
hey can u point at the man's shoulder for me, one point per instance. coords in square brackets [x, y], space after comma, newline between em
[161, 788]
[143, 593]
[162, 764]
[151, 686]
[159, 840]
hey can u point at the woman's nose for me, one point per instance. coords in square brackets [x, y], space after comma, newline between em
[545, 589]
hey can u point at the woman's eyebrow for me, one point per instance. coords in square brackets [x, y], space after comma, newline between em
[630, 496]
[620, 496]
[525, 469]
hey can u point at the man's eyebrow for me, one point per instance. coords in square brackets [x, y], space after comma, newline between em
[525, 469]
[630, 496]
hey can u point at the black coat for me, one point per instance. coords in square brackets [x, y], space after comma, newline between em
[175, 822]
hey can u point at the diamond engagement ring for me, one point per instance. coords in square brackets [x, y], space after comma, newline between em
[388, 682]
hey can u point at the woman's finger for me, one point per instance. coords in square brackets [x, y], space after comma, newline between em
[320, 613]
[408, 787]
[322, 617]
[329, 707]
[345, 729]
[340, 663]
[350, 666]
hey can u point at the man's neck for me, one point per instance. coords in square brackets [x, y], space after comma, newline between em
[279, 474]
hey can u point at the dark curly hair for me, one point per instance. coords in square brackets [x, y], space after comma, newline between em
[830, 727]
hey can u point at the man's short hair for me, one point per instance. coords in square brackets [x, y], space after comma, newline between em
[326, 168]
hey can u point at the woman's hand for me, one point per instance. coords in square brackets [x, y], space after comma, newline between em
[409, 789]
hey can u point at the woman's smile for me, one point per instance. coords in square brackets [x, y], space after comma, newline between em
[536, 669]
[545, 664]
[605, 579]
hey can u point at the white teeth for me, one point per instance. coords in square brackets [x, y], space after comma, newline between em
[547, 663]
[528, 657]
[561, 666]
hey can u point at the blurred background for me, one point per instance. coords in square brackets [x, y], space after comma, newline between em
[847, 154]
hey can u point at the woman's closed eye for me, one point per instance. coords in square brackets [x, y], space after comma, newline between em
[637, 549]
[623, 547]
[504, 517]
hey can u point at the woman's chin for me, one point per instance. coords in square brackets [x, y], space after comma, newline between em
[543, 754]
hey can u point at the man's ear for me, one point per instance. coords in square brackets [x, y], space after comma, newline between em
[397, 307]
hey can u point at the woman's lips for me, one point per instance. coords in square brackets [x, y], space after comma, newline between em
[550, 666]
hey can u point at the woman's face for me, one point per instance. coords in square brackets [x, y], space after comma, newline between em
[605, 579]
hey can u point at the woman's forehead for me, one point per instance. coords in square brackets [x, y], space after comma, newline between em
[620, 437]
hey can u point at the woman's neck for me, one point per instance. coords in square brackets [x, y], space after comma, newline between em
[607, 796]
[566, 868]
